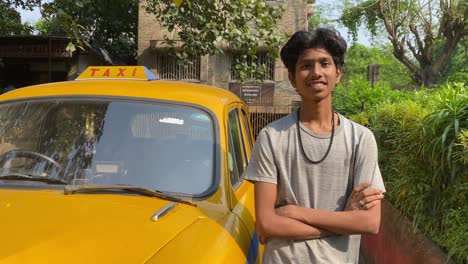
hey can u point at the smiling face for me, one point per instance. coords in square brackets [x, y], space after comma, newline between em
[316, 75]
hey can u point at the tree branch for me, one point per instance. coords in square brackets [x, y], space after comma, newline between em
[419, 43]
[455, 33]
[390, 27]
[415, 52]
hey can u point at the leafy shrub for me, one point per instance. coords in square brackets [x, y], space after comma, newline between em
[423, 151]
[360, 96]
[396, 127]
[361, 118]
[462, 148]
[442, 128]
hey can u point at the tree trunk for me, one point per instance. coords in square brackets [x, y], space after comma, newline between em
[427, 76]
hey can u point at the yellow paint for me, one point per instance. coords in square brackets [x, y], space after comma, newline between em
[47, 226]
[220, 249]
[50, 227]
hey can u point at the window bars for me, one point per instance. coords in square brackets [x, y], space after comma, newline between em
[262, 58]
[169, 69]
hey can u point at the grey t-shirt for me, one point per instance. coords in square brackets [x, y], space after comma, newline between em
[277, 158]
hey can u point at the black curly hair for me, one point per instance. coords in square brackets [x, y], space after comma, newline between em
[326, 38]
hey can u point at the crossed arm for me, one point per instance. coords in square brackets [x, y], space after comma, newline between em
[362, 215]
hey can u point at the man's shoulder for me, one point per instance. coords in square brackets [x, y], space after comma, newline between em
[357, 128]
[281, 125]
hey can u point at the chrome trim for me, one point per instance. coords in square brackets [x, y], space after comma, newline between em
[163, 211]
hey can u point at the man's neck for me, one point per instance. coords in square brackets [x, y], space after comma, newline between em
[317, 116]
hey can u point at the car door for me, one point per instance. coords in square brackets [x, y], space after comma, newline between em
[242, 195]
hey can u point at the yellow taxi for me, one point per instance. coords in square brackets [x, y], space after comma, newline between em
[118, 167]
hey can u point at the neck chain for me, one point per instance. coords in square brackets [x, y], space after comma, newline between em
[302, 146]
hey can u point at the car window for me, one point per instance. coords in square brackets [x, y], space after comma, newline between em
[237, 153]
[163, 146]
[245, 121]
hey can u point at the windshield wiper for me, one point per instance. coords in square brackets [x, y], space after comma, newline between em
[71, 189]
[26, 177]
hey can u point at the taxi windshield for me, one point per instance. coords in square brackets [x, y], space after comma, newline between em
[155, 145]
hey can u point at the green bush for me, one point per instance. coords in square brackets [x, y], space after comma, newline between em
[461, 154]
[423, 150]
[441, 131]
[360, 96]
[396, 127]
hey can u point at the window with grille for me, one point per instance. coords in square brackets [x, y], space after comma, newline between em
[169, 69]
[262, 58]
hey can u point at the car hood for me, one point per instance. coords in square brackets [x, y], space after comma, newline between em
[50, 227]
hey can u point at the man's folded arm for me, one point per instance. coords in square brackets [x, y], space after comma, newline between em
[352, 221]
[271, 225]
[339, 222]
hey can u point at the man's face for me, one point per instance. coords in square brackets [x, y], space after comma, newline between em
[316, 75]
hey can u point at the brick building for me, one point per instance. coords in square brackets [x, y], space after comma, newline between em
[216, 70]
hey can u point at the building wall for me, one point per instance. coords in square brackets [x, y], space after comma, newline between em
[215, 70]
[294, 19]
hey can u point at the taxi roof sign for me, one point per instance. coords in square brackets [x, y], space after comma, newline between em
[117, 73]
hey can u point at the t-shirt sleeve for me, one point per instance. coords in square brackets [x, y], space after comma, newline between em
[367, 166]
[262, 165]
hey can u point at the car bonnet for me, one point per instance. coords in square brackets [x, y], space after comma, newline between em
[50, 227]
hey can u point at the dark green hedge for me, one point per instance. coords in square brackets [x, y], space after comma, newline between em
[423, 147]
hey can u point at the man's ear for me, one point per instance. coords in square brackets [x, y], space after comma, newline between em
[338, 74]
[292, 79]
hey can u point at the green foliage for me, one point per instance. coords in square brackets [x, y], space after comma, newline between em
[358, 96]
[457, 68]
[358, 57]
[424, 34]
[10, 22]
[50, 27]
[454, 230]
[360, 118]
[204, 27]
[210, 27]
[319, 16]
[25, 4]
[365, 13]
[395, 126]
[316, 19]
[442, 130]
[110, 25]
[423, 154]
[461, 152]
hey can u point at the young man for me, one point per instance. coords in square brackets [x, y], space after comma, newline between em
[317, 181]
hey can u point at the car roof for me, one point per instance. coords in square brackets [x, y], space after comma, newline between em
[211, 97]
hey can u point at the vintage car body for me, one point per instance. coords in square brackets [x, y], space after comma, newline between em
[77, 221]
